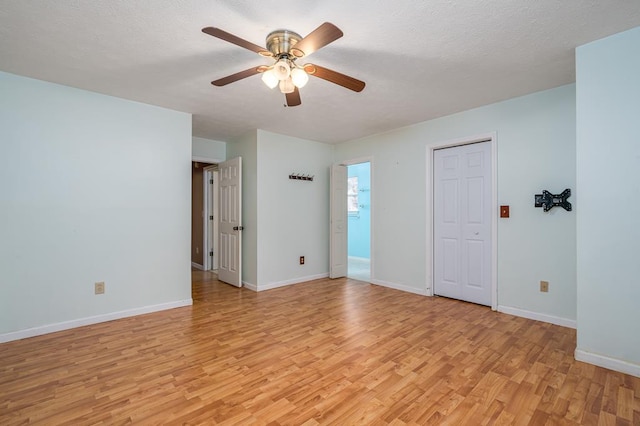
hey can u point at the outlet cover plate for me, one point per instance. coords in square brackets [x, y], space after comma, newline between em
[544, 286]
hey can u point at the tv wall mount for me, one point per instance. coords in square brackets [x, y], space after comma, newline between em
[547, 200]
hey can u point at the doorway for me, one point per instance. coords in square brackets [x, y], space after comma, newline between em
[197, 212]
[348, 205]
[204, 215]
[216, 209]
[359, 221]
[464, 222]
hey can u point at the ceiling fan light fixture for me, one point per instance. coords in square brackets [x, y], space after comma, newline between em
[286, 86]
[269, 78]
[285, 48]
[299, 77]
[282, 70]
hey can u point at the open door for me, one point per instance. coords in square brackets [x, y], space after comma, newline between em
[230, 194]
[338, 207]
[211, 181]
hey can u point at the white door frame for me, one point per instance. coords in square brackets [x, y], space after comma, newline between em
[205, 254]
[371, 210]
[209, 161]
[210, 209]
[492, 139]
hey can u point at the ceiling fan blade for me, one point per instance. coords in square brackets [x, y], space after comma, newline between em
[237, 76]
[223, 35]
[335, 77]
[293, 98]
[318, 38]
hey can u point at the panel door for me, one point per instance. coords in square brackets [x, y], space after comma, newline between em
[462, 222]
[338, 207]
[230, 239]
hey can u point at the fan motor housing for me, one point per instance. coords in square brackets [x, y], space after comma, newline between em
[280, 42]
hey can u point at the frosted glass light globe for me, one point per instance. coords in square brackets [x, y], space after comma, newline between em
[282, 70]
[299, 77]
[286, 86]
[269, 79]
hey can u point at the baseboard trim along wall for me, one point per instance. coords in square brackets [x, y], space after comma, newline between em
[299, 280]
[422, 292]
[197, 266]
[249, 286]
[564, 322]
[66, 325]
[608, 362]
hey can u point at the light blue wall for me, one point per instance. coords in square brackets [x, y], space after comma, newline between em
[608, 174]
[92, 188]
[208, 149]
[359, 229]
[246, 147]
[283, 219]
[535, 150]
[293, 215]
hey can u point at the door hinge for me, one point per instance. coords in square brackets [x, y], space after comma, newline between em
[238, 228]
[211, 181]
[211, 217]
[211, 253]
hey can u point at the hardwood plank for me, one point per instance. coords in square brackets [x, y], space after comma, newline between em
[323, 352]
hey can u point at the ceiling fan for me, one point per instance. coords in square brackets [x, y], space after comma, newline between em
[286, 48]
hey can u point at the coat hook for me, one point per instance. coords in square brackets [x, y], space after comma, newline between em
[301, 176]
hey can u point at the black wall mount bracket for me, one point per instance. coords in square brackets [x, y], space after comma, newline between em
[547, 200]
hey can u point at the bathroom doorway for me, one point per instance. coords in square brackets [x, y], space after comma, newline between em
[359, 221]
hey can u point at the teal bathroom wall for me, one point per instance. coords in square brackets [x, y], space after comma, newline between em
[359, 232]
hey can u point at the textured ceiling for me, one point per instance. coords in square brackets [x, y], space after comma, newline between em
[420, 59]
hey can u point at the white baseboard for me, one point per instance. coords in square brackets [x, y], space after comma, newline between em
[65, 325]
[249, 286]
[270, 286]
[420, 291]
[197, 266]
[564, 322]
[608, 362]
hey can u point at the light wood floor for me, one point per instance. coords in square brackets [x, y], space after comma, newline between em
[325, 352]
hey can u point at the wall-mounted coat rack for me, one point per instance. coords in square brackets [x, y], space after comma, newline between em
[547, 200]
[299, 176]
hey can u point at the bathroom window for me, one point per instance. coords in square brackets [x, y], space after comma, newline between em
[352, 195]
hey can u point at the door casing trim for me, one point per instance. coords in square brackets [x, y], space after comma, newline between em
[490, 137]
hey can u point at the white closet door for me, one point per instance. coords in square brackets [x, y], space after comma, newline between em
[462, 222]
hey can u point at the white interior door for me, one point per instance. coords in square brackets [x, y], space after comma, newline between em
[338, 208]
[230, 223]
[462, 222]
[211, 219]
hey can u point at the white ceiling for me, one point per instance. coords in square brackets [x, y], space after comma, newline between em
[420, 59]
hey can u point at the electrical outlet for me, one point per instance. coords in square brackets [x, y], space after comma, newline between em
[99, 287]
[302, 260]
[544, 286]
